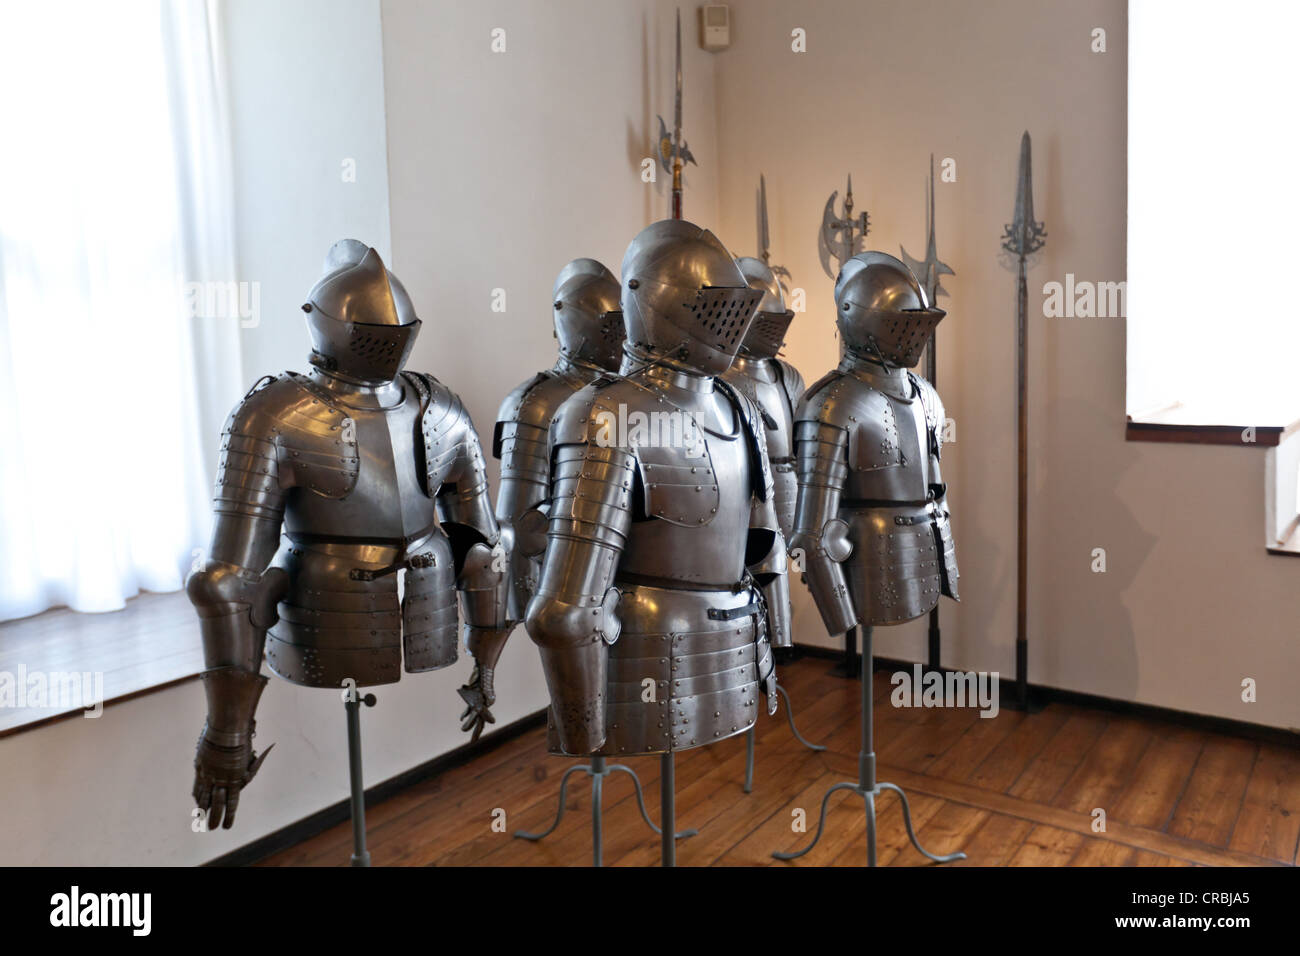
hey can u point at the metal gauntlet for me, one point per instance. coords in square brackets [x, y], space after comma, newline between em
[224, 761]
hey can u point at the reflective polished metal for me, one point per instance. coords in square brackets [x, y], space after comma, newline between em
[589, 329]
[366, 470]
[774, 386]
[649, 613]
[872, 517]
[882, 311]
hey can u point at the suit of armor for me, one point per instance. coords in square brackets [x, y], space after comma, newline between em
[649, 611]
[775, 387]
[589, 329]
[872, 518]
[328, 484]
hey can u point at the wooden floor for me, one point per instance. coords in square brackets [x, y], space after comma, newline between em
[1014, 790]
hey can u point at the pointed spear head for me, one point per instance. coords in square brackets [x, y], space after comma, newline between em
[1024, 235]
[929, 269]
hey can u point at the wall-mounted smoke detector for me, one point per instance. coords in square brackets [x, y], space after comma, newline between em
[715, 27]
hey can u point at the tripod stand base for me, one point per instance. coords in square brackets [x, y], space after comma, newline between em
[598, 770]
[750, 739]
[869, 797]
[867, 787]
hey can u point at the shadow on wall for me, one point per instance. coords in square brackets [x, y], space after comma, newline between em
[1095, 550]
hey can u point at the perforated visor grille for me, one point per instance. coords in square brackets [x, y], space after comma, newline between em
[767, 333]
[903, 336]
[722, 315]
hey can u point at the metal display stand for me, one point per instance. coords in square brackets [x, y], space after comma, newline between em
[598, 770]
[352, 704]
[749, 740]
[867, 786]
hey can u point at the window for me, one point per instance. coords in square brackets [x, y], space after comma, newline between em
[111, 202]
[1213, 207]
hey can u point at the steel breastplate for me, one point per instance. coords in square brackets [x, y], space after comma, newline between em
[387, 503]
[341, 617]
[889, 451]
[903, 556]
[695, 516]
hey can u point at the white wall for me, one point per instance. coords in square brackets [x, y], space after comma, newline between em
[307, 95]
[1190, 603]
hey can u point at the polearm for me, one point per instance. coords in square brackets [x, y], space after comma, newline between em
[1023, 237]
[841, 236]
[765, 236]
[673, 151]
[928, 271]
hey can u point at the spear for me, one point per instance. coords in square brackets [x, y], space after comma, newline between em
[928, 271]
[1022, 238]
[764, 236]
[673, 151]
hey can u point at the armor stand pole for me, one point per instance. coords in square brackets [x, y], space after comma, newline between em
[749, 740]
[932, 373]
[598, 770]
[867, 786]
[352, 704]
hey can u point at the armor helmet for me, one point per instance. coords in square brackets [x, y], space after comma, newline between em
[588, 320]
[766, 334]
[361, 320]
[684, 298]
[882, 311]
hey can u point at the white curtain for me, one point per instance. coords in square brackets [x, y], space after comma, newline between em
[115, 372]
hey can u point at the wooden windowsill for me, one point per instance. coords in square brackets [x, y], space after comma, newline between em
[1178, 425]
[151, 644]
[1291, 546]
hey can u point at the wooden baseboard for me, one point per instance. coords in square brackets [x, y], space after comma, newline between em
[1045, 694]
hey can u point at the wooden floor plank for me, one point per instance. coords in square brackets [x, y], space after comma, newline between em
[1269, 823]
[1017, 789]
[1212, 801]
[1060, 757]
[1107, 769]
[1160, 777]
[1047, 846]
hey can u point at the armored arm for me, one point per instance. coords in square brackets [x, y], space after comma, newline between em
[481, 553]
[520, 443]
[236, 595]
[572, 615]
[820, 537]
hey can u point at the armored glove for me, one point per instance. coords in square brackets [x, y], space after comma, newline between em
[220, 773]
[480, 694]
[224, 761]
